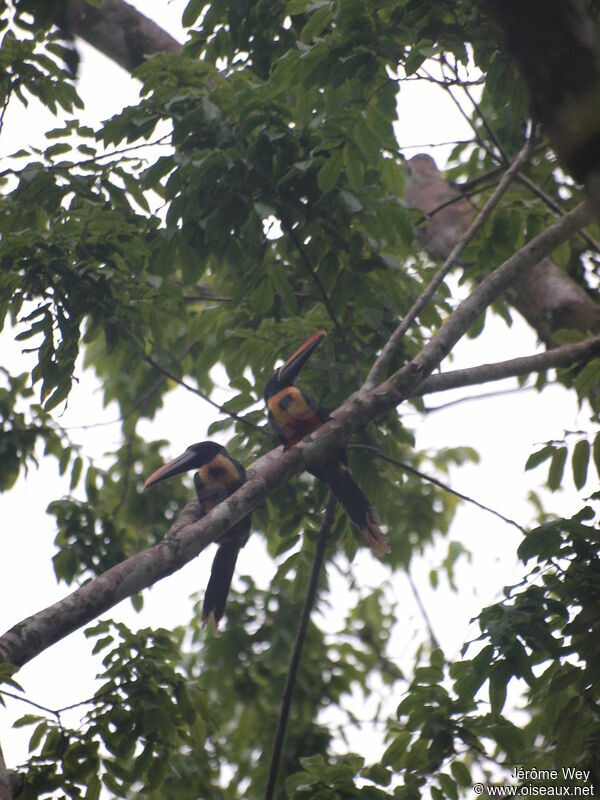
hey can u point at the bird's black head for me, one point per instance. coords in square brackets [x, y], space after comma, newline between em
[286, 375]
[194, 457]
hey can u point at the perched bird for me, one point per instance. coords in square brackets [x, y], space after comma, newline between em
[294, 414]
[218, 475]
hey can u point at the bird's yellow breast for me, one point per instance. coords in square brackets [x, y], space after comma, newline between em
[221, 471]
[290, 405]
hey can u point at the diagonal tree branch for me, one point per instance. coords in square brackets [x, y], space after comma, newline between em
[119, 31]
[393, 343]
[290, 681]
[190, 534]
[566, 356]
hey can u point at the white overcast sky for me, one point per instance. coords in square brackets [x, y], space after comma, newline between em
[505, 430]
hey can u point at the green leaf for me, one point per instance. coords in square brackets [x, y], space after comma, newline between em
[378, 774]
[569, 733]
[261, 298]
[317, 21]
[461, 773]
[542, 542]
[295, 7]
[537, 458]
[448, 785]
[557, 468]
[596, 453]
[588, 378]
[191, 12]
[580, 461]
[76, 472]
[38, 735]
[27, 719]
[497, 686]
[394, 754]
[329, 174]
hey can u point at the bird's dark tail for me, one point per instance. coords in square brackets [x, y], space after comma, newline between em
[354, 502]
[219, 584]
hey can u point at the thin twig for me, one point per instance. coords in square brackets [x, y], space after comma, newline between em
[466, 186]
[487, 126]
[439, 82]
[434, 144]
[551, 203]
[5, 105]
[32, 703]
[139, 403]
[205, 397]
[531, 185]
[434, 640]
[462, 196]
[483, 396]
[332, 315]
[565, 356]
[126, 479]
[480, 140]
[408, 468]
[393, 342]
[56, 712]
[311, 591]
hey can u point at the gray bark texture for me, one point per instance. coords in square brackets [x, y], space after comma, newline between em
[121, 32]
[545, 295]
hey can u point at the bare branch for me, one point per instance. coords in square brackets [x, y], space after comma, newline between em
[205, 397]
[395, 339]
[566, 356]
[470, 398]
[290, 681]
[551, 203]
[436, 482]
[486, 124]
[317, 281]
[26, 700]
[121, 32]
[191, 534]
[432, 637]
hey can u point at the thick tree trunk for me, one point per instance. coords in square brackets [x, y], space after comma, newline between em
[558, 52]
[545, 295]
[121, 32]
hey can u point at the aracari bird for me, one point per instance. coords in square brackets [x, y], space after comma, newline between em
[294, 414]
[218, 475]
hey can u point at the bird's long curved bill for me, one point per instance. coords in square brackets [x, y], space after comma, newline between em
[182, 463]
[292, 367]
